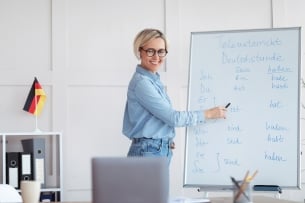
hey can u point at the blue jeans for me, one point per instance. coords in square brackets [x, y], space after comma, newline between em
[148, 147]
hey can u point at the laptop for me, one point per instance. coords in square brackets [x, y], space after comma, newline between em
[130, 180]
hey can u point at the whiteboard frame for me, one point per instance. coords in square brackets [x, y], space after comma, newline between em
[209, 187]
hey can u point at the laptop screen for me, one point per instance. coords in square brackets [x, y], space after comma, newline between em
[130, 180]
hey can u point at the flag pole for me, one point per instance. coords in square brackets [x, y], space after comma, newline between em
[36, 116]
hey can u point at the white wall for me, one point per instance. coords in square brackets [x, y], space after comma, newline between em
[81, 52]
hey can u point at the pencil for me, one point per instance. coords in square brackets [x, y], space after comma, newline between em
[253, 176]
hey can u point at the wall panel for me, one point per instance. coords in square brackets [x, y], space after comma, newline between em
[101, 32]
[94, 129]
[25, 35]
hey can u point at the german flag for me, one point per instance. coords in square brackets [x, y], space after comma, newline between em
[36, 99]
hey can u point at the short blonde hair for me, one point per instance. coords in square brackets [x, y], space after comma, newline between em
[145, 36]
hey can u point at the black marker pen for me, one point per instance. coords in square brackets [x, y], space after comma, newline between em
[227, 105]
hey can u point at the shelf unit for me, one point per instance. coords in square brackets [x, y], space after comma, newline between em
[11, 142]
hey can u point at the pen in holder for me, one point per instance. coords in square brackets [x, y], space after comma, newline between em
[242, 189]
[242, 192]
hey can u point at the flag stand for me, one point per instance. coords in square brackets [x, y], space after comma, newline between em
[37, 130]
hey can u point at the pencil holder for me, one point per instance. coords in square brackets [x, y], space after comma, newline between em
[242, 193]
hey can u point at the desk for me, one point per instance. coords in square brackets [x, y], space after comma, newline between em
[256, 199]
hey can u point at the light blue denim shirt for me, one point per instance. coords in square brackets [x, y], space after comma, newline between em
[149, 112]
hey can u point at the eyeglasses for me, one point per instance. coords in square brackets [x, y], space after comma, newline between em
[151, 52]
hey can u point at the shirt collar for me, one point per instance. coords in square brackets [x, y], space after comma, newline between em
[147, 73]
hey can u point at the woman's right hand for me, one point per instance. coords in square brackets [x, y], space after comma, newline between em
[216, 112]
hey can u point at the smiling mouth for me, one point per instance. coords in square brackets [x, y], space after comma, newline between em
[154, 62]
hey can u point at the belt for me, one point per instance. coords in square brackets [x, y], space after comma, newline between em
[163, 141]
[137, 140]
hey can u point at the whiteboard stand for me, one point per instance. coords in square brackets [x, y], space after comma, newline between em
[277, 195]
[205, 193]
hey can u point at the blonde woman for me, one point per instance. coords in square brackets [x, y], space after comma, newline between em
[149, 118]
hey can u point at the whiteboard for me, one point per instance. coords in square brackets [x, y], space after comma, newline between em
[258, 72]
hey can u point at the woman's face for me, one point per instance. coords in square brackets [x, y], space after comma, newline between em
[152, 63]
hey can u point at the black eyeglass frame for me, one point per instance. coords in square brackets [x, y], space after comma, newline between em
[160, 51]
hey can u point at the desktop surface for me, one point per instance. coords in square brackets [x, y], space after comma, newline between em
[256, 199]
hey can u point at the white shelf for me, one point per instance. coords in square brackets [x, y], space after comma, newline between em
[11, 142]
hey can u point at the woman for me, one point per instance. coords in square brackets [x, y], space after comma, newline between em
[149, 118]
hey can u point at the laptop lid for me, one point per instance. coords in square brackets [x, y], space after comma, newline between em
[130, 180]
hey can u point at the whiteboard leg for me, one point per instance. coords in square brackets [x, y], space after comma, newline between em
[277, 195]
[205, 195]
